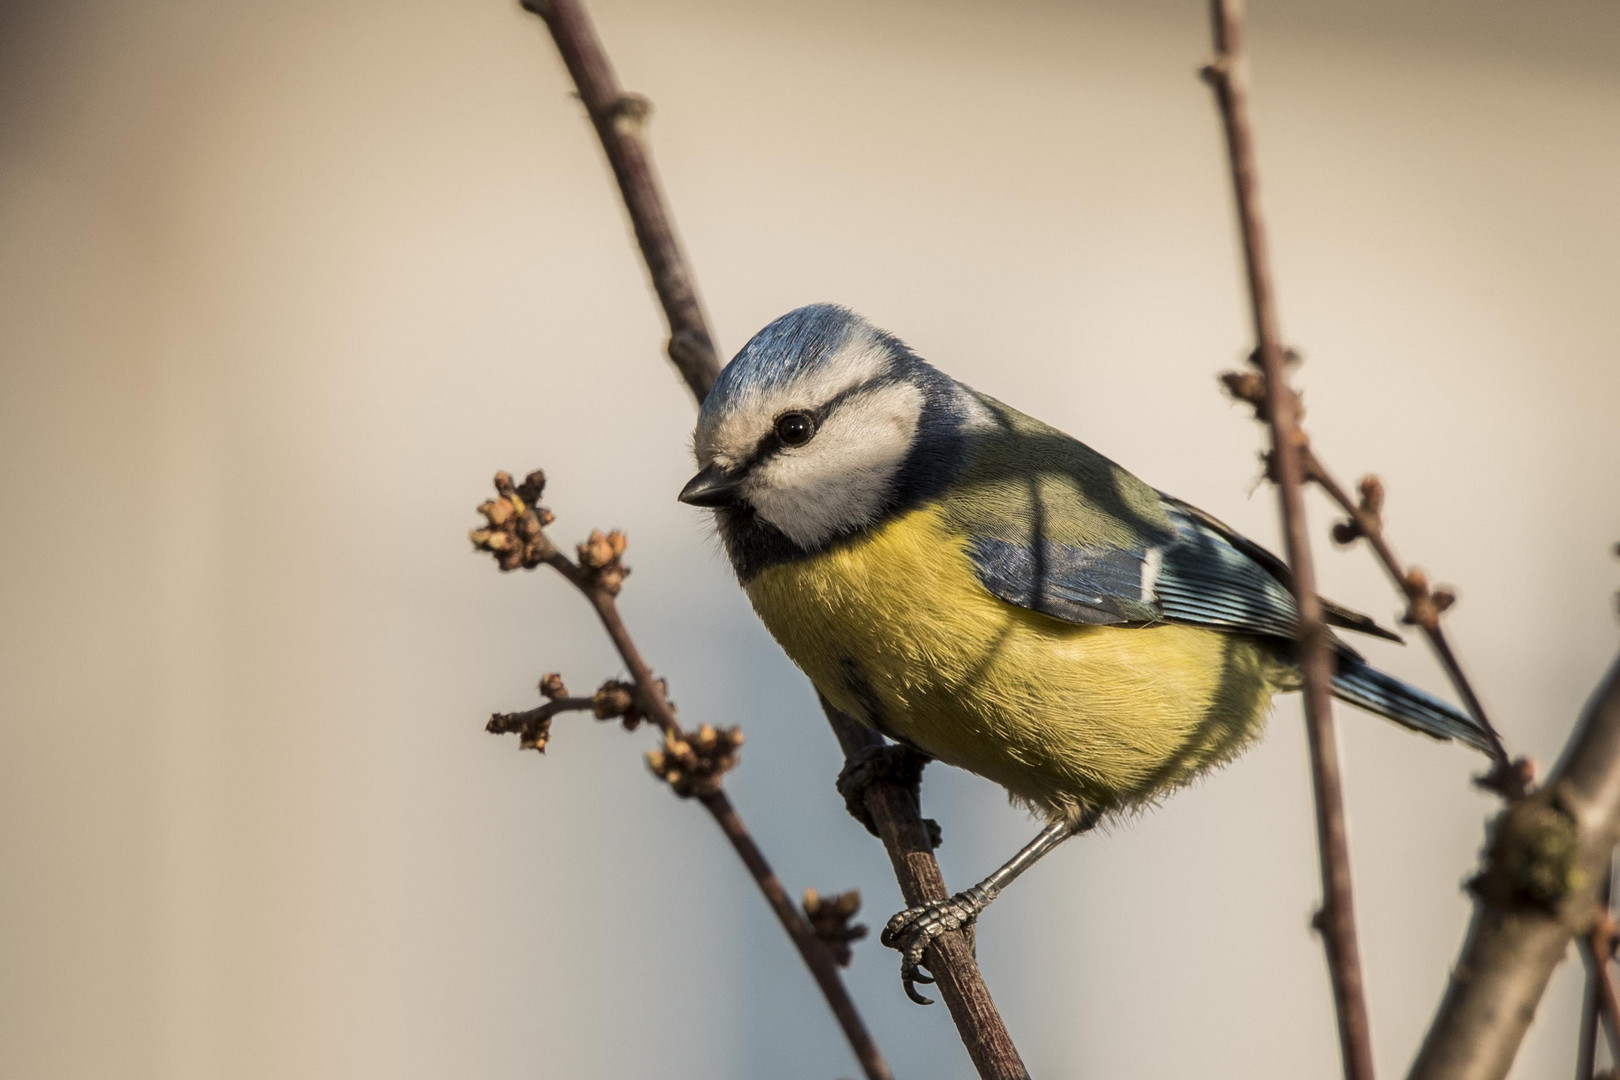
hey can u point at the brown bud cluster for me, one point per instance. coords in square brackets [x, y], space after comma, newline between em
[515, 521]
[601, 556]
[533, 728]
[1368, 516]
[1249, 386]
[1424, 605]
[630, 112]
[617, 699]
[1513, 780]
[1372, 494]
[693, 765]
[829, 917]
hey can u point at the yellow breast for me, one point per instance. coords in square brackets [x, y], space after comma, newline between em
[895, 629]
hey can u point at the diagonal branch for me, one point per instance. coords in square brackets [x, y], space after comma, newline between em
[1544, 867]
[691, 763]
[619, 119]
[893, 806]
[1424, 605]
[1228, 76]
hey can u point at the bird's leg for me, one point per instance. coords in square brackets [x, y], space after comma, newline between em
[912, 929]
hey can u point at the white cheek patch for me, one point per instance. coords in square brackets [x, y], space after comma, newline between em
[839, 480]
[731, 439]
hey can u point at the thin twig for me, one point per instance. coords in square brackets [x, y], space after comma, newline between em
[1228, 75]
[619, 119]
[893, 807]
[692, 764]
[1596, 997]
[1599, 948]
[1547, 856]
[1424, 605]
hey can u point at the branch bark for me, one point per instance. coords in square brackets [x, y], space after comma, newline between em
[1600, 1005]
[895, 813]
[1547, 858]
[1228, 76]
[619, 120]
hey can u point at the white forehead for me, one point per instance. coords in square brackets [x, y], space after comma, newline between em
[730, 437]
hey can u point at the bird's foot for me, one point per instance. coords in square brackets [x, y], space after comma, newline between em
[874, 764]
[913, 929]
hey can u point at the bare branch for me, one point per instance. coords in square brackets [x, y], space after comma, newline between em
[1228, 76]
[1547, 858]
[1424, 606]
[893, 807]
[620, 120]
[1599, 949]
[1597, 996]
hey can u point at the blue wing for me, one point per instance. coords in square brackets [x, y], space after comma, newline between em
[1198, 572]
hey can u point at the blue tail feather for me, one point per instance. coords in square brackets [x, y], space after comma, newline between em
[1362, 685]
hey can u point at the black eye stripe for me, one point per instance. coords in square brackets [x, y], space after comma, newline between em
[771, 443]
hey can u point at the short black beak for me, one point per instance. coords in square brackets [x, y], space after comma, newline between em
[711, 487]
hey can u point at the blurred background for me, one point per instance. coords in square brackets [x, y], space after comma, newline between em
[282, 285]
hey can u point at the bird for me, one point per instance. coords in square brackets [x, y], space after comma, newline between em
[993, 593]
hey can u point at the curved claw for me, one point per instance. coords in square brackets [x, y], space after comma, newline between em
[912, 930]
[909, 977]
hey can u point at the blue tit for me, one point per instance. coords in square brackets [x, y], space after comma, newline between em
[996, 594]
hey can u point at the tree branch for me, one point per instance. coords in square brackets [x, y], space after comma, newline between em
[893, 807]
[692, 764]
[1599, 997]
[1228, 76]
[618, 119]
[1599, 949]
[1547, 857]
[1424, 605]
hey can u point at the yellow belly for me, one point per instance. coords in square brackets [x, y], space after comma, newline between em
[896, 630]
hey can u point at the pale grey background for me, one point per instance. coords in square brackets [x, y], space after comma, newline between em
[281, 285]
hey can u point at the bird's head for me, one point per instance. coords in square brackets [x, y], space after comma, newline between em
[821, 425]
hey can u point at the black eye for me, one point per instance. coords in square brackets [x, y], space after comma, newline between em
[795, 428]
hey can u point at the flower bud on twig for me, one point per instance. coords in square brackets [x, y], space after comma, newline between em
[693, 765]
[829, 917]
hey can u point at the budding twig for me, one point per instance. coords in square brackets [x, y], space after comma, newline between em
[620, 120]
[1424, 604]
[1227, 75]
[830, 918]
[691, 764]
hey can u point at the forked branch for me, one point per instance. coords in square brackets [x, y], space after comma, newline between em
[1545, 863]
